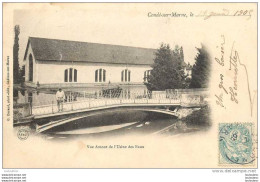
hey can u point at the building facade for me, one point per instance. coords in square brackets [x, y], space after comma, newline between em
[51, 63]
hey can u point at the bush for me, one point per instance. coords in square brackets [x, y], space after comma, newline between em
[200, 117]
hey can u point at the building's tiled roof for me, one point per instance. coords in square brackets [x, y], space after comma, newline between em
[64, 50]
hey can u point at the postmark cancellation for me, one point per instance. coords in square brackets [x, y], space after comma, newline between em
[237, 144]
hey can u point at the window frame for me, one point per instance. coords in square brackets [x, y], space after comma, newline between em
[100, 75]
[126, 75]
[70, 75]
[147, 73]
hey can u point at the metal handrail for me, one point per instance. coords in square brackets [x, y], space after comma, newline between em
[84, 104]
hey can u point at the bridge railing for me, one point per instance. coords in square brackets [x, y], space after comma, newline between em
[90, 103]
[183, 97]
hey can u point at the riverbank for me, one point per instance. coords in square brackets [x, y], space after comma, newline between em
[190, 120]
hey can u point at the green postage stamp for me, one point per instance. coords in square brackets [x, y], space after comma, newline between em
[236, 144]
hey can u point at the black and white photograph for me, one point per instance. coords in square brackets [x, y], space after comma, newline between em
[109, 84]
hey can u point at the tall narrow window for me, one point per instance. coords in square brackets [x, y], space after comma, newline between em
[104, 75]
[129, 76]
[75, 75]
[125, 75]
[30, 68]
[147, 73]
[96, 75]
[70, 75]
[100, 75]
[66, 75]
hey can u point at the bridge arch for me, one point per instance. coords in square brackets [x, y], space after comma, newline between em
[64, 119]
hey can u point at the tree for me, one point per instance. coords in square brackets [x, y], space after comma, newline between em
[22, 74]
[16, 71]
[167, 72]
[201, 69]
[181, 54]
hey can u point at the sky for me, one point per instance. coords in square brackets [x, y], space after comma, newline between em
[107, 24]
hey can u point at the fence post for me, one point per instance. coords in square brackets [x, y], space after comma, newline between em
[121, 96]
[72, 106]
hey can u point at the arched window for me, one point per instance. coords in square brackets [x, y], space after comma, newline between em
[71, 75]
[147, 73]
[30, 68]
[125, 75]
[66, 75]
[75, 75]
[100, 75]
[104, 75]
[96, 76]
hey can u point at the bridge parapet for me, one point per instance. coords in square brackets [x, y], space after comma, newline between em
[97, 103]
[184, 98]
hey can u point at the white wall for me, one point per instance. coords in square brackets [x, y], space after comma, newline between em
[53, 72]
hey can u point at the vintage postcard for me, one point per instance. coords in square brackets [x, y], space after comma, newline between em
[130, 85]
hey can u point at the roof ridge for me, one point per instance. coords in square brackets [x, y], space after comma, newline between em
[56, 49]
[92, 43]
